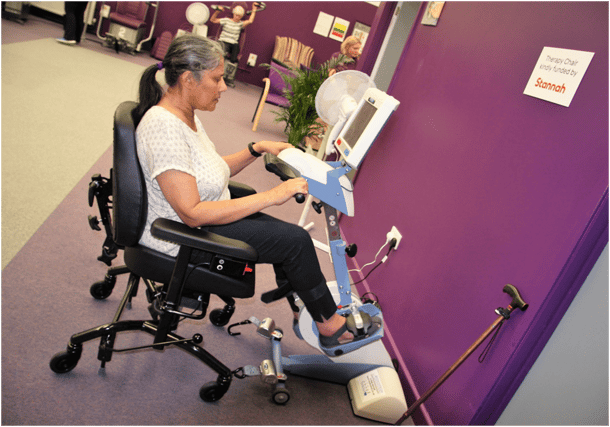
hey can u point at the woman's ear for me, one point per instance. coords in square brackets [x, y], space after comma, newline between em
[186, 78]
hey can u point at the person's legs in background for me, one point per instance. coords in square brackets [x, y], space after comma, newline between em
[73, 22]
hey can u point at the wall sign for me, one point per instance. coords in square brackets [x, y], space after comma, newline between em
[558, 74]
[339, 29]
[323, 24]
[433, 13]
[361, 32]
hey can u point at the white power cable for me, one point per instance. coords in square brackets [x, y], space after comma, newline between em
[374, 261]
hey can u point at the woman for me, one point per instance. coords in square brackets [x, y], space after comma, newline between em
[351, 49]
[187, 180]
[232, 28]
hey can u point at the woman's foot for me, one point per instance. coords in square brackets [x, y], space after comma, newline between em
[340, 337]
[350, 334]
[64, 41]
[334, 332]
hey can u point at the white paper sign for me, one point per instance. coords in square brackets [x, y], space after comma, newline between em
[323, 24]
[558, 74]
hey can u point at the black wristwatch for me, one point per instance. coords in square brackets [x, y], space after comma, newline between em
[253, 151]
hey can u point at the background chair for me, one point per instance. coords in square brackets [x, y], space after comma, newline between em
[172, 284]
[128, 26]
[287, 53]
[274, 91]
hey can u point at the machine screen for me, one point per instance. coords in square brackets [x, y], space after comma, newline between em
[360, 123]
[361, 129]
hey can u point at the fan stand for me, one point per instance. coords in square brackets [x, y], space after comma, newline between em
[197, 14]
[200, 30]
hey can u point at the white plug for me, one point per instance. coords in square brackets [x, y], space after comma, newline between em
[394, 234]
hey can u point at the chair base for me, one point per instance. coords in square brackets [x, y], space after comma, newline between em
[67, 360]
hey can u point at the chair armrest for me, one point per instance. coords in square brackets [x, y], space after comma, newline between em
[237, 190]
[182, 234]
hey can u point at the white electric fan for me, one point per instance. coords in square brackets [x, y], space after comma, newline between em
[198, 14]
[337, 99]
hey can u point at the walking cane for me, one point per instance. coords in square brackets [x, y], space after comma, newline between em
[503, 314]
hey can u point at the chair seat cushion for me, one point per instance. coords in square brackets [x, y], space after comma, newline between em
[277, 100]
[158, 267]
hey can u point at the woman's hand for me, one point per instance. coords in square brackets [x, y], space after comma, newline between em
[283, 192]
[273, 147]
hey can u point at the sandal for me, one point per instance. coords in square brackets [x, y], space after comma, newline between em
[333, 340]
[332, 347]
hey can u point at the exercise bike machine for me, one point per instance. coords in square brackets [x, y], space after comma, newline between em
[363, 365]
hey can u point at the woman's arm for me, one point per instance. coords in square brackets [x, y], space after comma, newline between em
[180, 190]
[214, 18]
[252, 14]
[243, 158]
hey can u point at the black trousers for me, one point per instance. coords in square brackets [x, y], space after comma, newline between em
[231, 51]
[293, 255]
[73, 21]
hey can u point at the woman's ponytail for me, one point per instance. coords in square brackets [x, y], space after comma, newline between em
[150, 92]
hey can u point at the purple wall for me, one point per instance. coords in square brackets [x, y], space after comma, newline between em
[487, 186]
[280, 18]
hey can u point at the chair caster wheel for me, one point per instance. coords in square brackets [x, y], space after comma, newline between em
[220, 317]
[64, 362]
[212, 391]
[99, 290]
[281, 396]
[103, 288]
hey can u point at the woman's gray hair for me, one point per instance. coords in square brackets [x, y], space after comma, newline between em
[188, 52]
[193, 53]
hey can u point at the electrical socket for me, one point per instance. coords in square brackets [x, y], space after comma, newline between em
[394, 234]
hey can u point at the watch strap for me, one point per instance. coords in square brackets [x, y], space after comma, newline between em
[253, 151]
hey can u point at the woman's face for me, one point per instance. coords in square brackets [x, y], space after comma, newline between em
[208, 90]
[354, 50]
[238, 13]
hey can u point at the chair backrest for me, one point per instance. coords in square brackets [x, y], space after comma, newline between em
[129, 201]
[132, 9]
[277, 83]
[292, 52]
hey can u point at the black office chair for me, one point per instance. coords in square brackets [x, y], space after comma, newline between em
[173, 285]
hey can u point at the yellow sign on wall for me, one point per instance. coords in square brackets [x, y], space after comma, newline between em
[339, 29]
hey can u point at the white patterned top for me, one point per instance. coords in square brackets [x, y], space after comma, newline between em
[165, 143]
